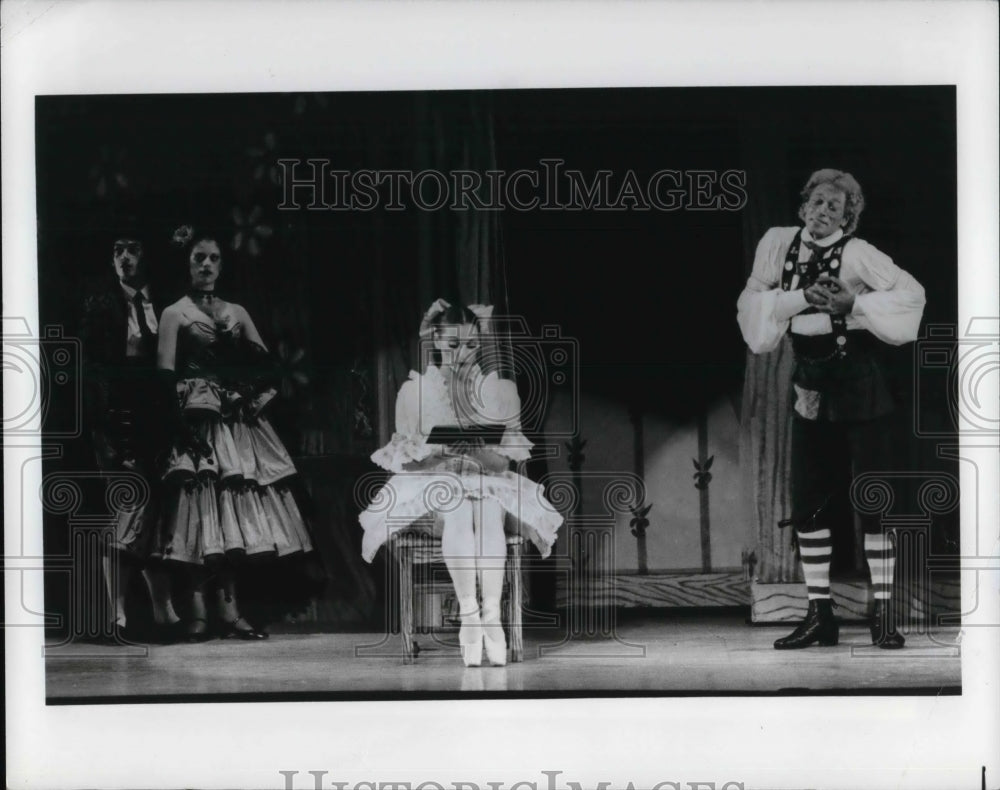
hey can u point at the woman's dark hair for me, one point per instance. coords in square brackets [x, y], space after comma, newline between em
[186, 236]
[456, 314]
[182, 242]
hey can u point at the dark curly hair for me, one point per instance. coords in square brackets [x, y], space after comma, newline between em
[455, 314]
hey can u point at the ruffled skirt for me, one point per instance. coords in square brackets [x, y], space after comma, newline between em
[135, 529]
[413, 500]
[235, 502]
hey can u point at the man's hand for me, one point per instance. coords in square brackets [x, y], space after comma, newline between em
[817, 296]
[840, 297]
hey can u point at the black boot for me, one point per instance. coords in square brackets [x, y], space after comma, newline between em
[819, 626]
[883, 626]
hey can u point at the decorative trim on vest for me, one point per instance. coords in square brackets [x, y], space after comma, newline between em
[808, 272]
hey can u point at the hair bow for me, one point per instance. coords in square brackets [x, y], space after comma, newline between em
[483, 312]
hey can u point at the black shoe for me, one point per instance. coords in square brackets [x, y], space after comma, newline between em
[241, 629]
[883, 626]
[197, 630]
[169, 633]
[820, 627]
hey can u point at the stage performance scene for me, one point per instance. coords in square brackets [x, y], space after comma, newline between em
[419, 395]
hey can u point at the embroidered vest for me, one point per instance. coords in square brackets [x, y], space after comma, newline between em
[808, 272]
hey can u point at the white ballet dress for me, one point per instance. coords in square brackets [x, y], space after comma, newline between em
[417, 499]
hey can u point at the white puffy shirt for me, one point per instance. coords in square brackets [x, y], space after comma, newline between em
[889, 302]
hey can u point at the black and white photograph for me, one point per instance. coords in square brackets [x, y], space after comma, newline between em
[695, 337]
[455, 409]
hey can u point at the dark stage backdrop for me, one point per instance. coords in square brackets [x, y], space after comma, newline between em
[650, 295]
[900, 144]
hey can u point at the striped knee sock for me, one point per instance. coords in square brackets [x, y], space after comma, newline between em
[881, 556]
[815, 549]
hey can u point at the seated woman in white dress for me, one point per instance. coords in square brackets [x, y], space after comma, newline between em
[461, 491]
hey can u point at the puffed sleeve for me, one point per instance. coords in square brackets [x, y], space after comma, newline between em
[504, 405]
[893, 308]
[763, 310]
[407, 443]
[407, 404]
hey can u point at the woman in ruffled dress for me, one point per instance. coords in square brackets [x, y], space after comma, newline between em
[228, 498]
[463, 492]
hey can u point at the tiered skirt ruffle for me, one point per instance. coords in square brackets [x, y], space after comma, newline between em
[236, 501]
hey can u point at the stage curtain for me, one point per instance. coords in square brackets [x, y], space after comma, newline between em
[457, 253]
[766, 408]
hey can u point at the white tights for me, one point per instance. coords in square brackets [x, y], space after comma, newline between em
[473, 544]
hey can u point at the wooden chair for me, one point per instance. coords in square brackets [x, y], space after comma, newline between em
[417, 548]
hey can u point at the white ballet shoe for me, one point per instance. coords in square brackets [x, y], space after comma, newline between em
[493, 636]
[470, 639]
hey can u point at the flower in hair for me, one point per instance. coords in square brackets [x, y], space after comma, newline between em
[483, 312]
[182, 236]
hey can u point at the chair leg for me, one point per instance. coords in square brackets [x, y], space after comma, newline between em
[514, 621]
[406, 603]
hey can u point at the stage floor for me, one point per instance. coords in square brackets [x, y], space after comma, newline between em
[651, 656]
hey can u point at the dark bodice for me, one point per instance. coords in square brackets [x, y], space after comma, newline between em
[215, 347]
[208, 348]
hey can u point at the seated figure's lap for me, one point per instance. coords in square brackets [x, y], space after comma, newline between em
[433, 523]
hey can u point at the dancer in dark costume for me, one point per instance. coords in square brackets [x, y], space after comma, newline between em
[228, 477]
[119, 337]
